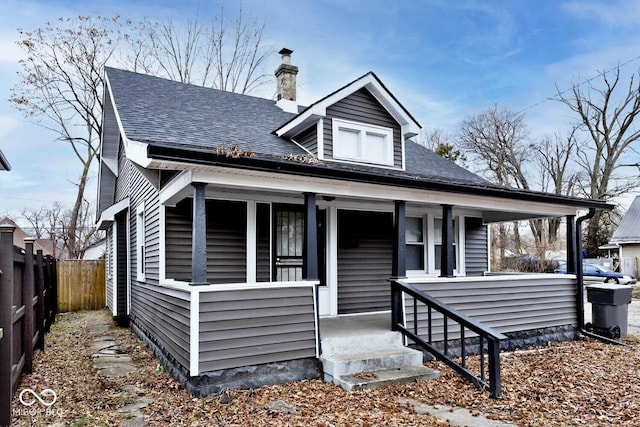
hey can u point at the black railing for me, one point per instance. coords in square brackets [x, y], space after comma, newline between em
[488, 339]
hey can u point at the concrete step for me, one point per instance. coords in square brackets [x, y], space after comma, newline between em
[372, 380]
[337, 365]
[361, 342]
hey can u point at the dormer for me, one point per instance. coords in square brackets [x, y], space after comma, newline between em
[361, 123]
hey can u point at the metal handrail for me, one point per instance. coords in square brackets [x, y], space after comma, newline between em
[485, 333]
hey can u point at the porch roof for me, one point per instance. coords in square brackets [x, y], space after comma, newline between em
[164, 156]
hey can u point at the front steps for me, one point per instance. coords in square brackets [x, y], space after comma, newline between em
[366, 358]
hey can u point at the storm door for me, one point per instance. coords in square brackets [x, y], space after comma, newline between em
[289, 241]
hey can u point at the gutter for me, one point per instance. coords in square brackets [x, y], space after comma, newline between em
[580, 283]
[209, 157]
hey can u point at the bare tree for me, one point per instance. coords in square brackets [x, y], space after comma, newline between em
[62, 77]
[554, 161]
[606, 116]
[213, 55]
[498, 141]
[38, 218]
[442, 144]
[61, 86]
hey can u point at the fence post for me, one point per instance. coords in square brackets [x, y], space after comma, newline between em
[397, 315]
[53, 274]
[6, 321]
[40, 305]
[495, 387]
[27, 299]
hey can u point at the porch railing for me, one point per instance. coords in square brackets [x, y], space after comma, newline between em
[484, 334]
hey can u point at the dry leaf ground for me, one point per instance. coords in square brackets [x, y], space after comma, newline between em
[575, 383]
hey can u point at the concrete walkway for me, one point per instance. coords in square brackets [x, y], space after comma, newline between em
[111, 361]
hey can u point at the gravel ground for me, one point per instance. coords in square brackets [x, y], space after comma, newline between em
[575, 383]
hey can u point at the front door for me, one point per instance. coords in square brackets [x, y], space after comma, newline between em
[289, 243]
[289, 230]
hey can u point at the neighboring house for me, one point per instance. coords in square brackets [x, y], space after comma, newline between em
[627, 237]
[96, 250]
[238, 226]
[47, 246]
[4, 163]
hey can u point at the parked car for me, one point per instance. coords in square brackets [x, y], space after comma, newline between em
[594, 273]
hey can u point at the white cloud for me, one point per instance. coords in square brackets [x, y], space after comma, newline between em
[617, 13]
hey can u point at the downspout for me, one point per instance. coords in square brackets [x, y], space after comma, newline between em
[580, 282]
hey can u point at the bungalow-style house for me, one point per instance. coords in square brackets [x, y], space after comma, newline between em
[245, 234]
[627, 237]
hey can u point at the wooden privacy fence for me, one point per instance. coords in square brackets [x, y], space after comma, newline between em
[27, 309]
[81, 285]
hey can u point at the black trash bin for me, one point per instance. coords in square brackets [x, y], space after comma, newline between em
[609, 309]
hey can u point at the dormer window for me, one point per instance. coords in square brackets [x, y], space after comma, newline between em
[362, 143]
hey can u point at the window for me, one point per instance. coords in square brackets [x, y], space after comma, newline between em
[423, 243]
[362, 143]
[140, 244]
[414, 236]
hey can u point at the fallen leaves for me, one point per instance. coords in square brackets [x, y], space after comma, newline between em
[571, 383]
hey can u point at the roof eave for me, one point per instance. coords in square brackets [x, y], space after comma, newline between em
[181, 155]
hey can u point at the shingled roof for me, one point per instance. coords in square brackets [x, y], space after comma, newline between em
[166, 113]
[629, 229]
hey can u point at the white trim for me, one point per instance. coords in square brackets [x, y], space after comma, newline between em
[134, 150]
[488, 243]
[461, 247]
[111, 163]
[320, 138]
[185, 286]
[141, 233]
[162, 262]
[301, 147]
[332, 259]
[260, 180]
[194, 332]
[251, 242]
[362, 130]
[316, 326]
[108, 215]
[114, 275]
[403, 150]
[492, 278]
[129, 278]
[177, 189]
[319, 110]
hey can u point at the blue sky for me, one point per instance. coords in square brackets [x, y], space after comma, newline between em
[443, 59]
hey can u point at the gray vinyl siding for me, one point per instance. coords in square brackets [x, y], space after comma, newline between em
[475, 247]
[110, 141]
[178, 241]
[226, 241]
[362, 107]
[164, 314]
[256, 326]
[309, 139]
[365, 250]
[107, 186]
[510, 304]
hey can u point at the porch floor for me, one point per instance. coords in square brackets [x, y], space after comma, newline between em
[354, 325]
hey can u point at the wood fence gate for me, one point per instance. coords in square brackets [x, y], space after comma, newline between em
[27, 309]
[81, 285]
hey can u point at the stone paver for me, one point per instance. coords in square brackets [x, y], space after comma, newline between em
[455, 416]
[111, 361]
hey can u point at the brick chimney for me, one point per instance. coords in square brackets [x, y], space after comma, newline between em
[286, 76]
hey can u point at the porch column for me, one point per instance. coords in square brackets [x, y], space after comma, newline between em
[447, 256]
[199, 236]
[310, 246]
[399, 264]
[571, 244]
